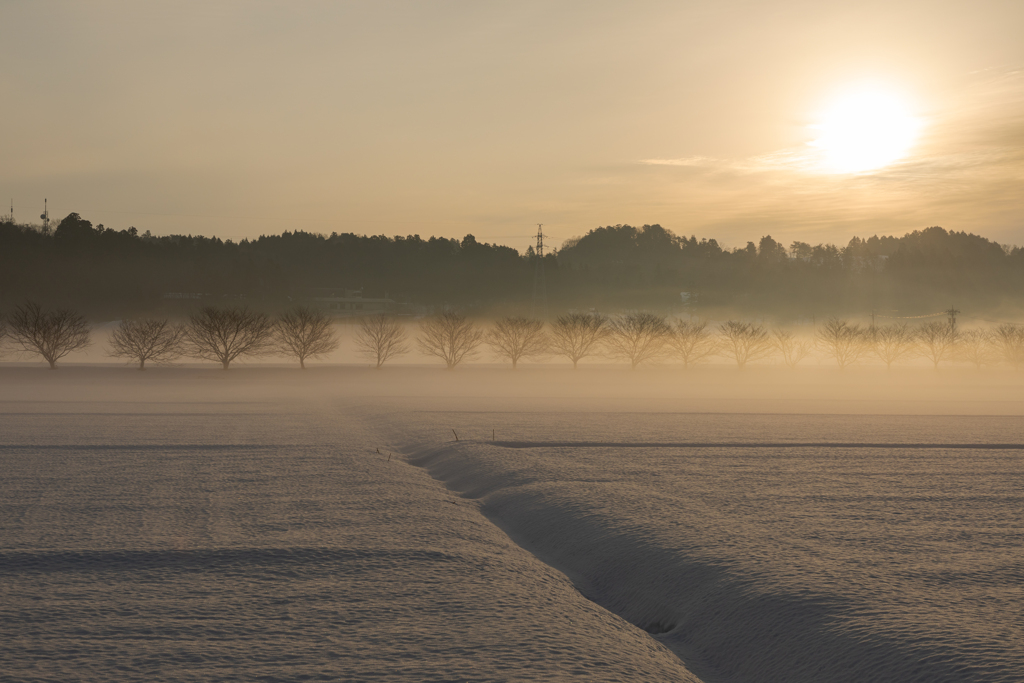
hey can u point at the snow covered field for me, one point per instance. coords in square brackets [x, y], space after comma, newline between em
[187, 523]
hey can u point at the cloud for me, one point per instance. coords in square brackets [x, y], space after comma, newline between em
[793, 159]
[687, 161]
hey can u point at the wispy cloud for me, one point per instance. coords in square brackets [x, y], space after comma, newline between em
[795, 159]
[686, 161]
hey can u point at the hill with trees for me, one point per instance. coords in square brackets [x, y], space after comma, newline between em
[115, 273]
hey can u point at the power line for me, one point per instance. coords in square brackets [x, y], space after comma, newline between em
[293, 219]
[913, 317]
[952, 314]
[986, 320]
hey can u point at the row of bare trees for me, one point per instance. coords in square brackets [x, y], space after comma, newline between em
[640, 337]
[636, 337]
[935, 341]
[224, 335]
[217, 334]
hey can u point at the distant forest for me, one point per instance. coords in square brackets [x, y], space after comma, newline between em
[110, 274]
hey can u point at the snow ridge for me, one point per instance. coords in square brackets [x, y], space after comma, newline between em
[727, 620]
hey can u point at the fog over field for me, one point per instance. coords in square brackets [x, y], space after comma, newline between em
[603, 524]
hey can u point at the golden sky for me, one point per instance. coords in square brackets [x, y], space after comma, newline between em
[443, 118]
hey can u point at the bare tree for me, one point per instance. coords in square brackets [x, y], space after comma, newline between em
[638, 337]
[744, 342]
[516, 337]
[305, 332]
[1009, 341]
[692, 341]
[225, 334]
[793, 350]
[51, 334]
[976, 347]
[893, 343]
[381, 337]
[146, 339]
[845, 342]
[937, 341]
[578, 335]
[449, 336]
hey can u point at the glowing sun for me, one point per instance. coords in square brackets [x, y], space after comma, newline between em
[864, 131]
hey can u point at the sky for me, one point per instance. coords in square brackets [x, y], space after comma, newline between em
[237, 119]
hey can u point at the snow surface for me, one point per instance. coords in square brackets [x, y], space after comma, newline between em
[187, 523]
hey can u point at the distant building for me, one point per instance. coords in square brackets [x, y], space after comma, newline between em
[183, 295]
[349, 302]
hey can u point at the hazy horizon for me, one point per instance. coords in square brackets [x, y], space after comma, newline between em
[240, 119]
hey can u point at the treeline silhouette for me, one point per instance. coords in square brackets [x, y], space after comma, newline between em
[225, 334]
[110, 274]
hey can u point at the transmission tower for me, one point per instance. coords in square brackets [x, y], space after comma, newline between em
[952, 312]
[540, 289]
[46, 217]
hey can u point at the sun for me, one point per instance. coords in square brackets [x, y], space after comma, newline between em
[864, 131]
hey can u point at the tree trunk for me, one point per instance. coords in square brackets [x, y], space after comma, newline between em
[142, 364]
[53, 364]
[226, 363]
[302, 363]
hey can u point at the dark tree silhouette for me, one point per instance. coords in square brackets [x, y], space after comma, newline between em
[692, 342]
[305, 332]
[1009, 341]
[51, 334]
[143, 340]
[842, 341]
[382, 338]
[639, 337]
[449, 336]
[225, 334]
[892, 343]
[744, 342]
[937, 341]
[791, 349]
[578, 335]
[516, 337]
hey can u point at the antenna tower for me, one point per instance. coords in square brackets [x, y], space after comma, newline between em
[540, 290]
[46, 217]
